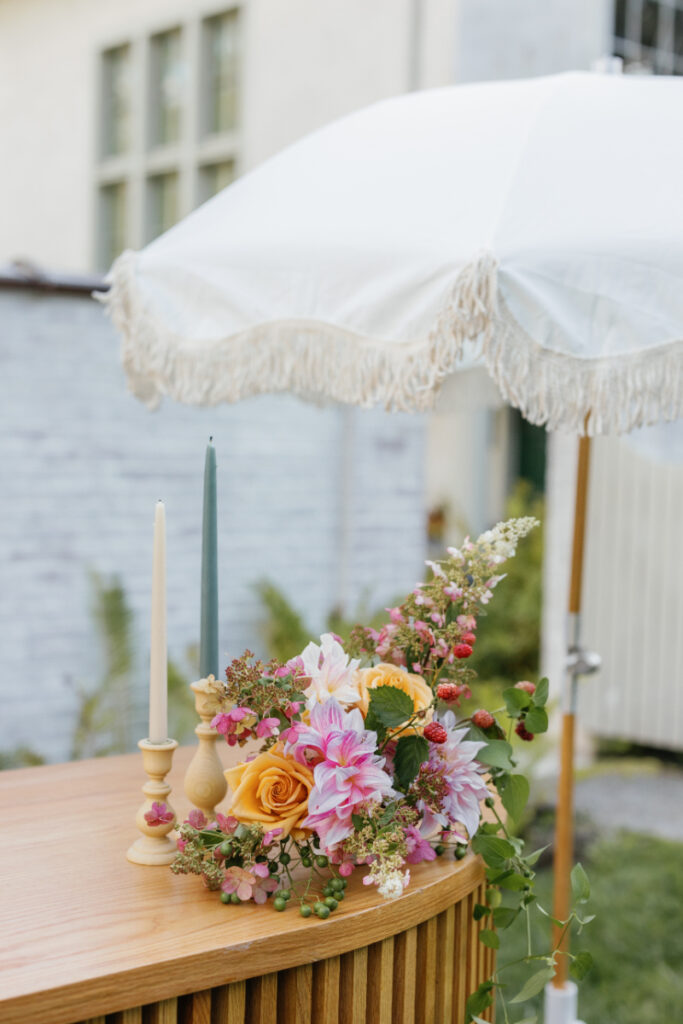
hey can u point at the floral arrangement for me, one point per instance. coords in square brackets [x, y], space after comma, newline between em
[364, 763]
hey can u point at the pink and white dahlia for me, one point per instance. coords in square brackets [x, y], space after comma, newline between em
[348, 774]
[329, 671]
[453, 771]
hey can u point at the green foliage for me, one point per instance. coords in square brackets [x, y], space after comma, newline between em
[635, 941]
[103, 724]
[285, 632]
[391, 706]
[411, 751]
[19, 757]
[508, 641]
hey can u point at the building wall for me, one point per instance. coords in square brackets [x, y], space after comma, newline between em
[305, 63]
[325, 502]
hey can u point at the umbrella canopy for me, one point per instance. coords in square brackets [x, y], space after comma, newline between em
[540, 220]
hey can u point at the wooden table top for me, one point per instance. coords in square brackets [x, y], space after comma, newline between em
[84, 932]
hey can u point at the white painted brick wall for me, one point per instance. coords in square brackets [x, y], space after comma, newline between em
[82, 463]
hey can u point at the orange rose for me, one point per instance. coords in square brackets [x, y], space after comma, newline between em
[272, 790]
[392, 675]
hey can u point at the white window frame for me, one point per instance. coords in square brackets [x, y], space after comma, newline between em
[186, 157]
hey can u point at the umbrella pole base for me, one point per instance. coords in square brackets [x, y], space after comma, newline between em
[559, 1006]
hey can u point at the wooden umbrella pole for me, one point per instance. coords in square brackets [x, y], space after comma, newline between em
[564, 821]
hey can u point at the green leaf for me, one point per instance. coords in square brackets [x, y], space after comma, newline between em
[507, 879]
[493, 849]
[537, 720]
[489, 938]
[535, 984]
[373, 724]
[581, 888]
[480, 911]
[479, 1000]
[357, 822]
[504, 916]
[390, 705]
[515, 700]
[533, 857]
[514, 794]
[411, 752]
[541, 694]
[580, 966]
[476, 735]
[497, 753]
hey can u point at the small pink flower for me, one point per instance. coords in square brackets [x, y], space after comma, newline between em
[525, 685]
[227, 825]
[159, 815]
[197, 819]
[346, 868]
[293, 708]
[395, 614]
[254, 884]
[181, 844]
[417, 667]
[418, 848]
[268, 727]
[232, 724]
[271, 836]
[453, 591]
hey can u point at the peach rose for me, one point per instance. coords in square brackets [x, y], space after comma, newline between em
[272, 790]
[391, 675]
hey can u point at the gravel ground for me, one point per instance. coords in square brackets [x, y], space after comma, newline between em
[651, 804]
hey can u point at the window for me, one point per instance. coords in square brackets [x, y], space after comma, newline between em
[167, 85]
[162, 204]
[648, 35]
[214, 178]
[221, 48]
[116, 101]
[168, 127]
[113, 213]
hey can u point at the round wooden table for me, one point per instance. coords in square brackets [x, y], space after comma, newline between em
[84, 933]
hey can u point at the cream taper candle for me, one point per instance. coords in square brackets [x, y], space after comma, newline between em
[158, 667]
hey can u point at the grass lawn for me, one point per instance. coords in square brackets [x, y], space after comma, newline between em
[636, 939]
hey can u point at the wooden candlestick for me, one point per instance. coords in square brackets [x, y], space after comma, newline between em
[154, 845]
[205, 784]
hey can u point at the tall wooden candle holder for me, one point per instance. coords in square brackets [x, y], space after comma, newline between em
[154, 845]
[205, 784]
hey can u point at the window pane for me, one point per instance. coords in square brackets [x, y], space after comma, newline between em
[650, 18]
[620, 19]
[678, 32]
[116, 101]
[222, 72]
[215, 177]
[113, 215]
[163, 210]
[167, 81]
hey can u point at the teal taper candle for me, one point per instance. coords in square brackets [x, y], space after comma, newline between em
[208, 637]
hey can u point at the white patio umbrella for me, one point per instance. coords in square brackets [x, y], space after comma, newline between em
[537, 225]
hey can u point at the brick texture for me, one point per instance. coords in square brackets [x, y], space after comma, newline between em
[326, 502]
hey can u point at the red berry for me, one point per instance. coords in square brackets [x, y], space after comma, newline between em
[522, 732]
[448, 692]
[435, 733]
[526, 686]
[469, 638]
[483, 719]
[462, 650]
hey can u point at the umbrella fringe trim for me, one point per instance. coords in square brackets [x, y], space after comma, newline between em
[322, 362]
